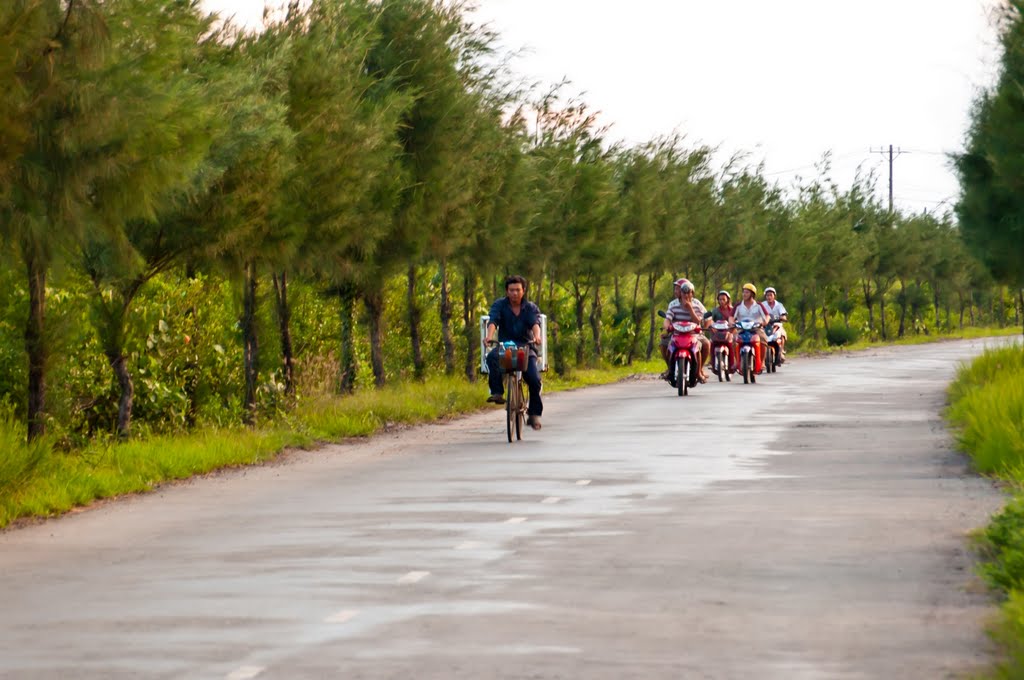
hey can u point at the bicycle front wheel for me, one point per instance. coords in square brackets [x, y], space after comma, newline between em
[511, 408]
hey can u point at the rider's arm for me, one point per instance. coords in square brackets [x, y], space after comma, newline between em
[536, 335]
[491, 328]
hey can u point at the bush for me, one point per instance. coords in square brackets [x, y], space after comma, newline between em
[837, 336]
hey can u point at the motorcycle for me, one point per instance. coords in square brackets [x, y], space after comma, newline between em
[750, 349]
[720, 348]
[686, 356]
[774, 352]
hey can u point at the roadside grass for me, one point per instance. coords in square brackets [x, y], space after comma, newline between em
[987, 408]
[810, 347]
[39, 480]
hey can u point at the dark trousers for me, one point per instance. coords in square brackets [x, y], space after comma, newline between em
[531, 376]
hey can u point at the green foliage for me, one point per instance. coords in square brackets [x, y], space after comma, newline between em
[987, 402]
[991, 207]
[837, 336]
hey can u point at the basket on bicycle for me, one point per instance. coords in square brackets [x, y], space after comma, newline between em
[513, 359]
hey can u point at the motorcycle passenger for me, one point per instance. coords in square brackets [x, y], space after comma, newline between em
[724, 312]
[685, 308]
[518, 320]
[748, 308]
[776, 314]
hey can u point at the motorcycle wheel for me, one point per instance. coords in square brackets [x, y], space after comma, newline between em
[681, 376]
[769, 359]
[745, 367]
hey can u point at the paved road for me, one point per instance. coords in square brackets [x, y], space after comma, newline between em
[810, 526]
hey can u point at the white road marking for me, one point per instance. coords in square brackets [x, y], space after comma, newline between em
[414, 577]
[344, 616]
[515, 520]
[469, 545]
[245, 673]
[583, 482]
[551, 500]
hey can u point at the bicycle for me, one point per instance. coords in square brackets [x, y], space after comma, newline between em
[513, 361]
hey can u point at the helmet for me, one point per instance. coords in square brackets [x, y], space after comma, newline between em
[751, 287]
[769, 289]
[725, 293]
[684, 285]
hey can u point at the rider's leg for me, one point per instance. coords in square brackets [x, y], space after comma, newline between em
[494, 376]
[531, 376]
[762, 348]
[705, 353]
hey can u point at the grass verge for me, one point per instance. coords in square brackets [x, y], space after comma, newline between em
[987, 408]
[39, 481]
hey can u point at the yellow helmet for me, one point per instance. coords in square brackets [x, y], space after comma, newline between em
[751, 287]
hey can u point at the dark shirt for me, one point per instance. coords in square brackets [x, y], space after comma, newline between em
[719, 314]
[518, 329]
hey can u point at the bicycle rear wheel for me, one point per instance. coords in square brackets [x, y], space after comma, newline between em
[521, 410]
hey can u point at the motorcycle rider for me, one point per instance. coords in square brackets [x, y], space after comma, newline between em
[748, 308]
[685, 308]
[724, 312]
[776, 314]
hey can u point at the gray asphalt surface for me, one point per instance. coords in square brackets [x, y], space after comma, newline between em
[810, 526]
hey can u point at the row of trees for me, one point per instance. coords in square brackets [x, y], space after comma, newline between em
[354, 145]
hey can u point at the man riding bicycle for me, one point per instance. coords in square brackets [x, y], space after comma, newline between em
[518, 320]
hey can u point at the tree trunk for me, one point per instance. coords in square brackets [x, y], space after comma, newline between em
[192, 363]
[250, 343]
[469, 328]
[579, 297]
[558, 357]
[960, 299]
[881, 313]
[935, 302]
[284, 317]
[374, 302]
[348, 367]
[127, 388]
[869, 303]
[824, 317]
[1020, 306]
[846, 307]
[651, 282]
[903, 309]
[414, 325]
[35, 346]
[617, 298]
[634, 315]
[445, 312]
[595, 324]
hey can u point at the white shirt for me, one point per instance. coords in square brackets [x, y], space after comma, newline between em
[754, 312]
[775, 311]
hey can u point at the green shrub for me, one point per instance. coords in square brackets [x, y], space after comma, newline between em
[987, 403]
[837, 336]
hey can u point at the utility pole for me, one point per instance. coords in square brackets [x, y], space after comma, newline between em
[892, 157]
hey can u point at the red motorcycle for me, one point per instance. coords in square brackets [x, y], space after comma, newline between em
[720, 349]
[685, 356]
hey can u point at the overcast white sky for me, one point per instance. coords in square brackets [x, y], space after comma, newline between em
[785, 80]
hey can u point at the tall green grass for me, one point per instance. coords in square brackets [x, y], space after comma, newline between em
[987, 404]
[987, 407]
